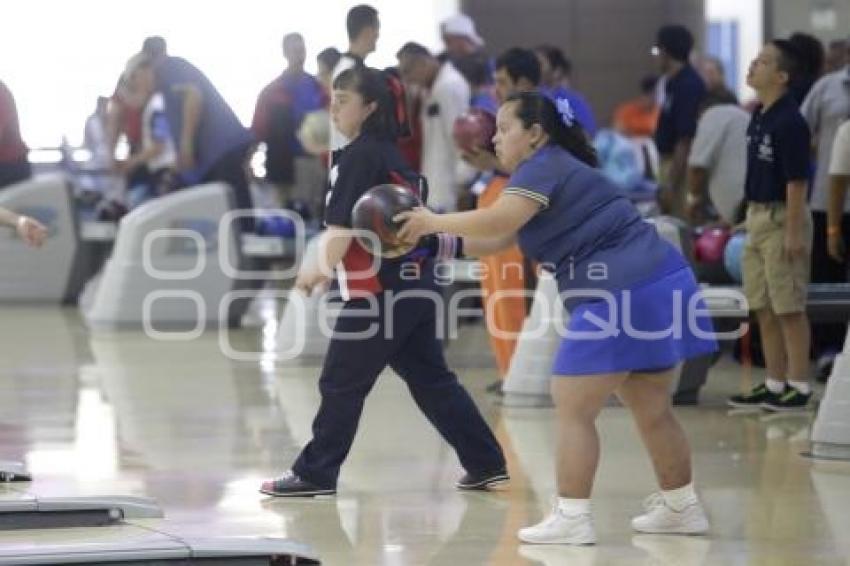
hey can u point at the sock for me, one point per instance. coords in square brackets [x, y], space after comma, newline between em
[681, 497]
[774, 385]
[803, 387]
[573, 506]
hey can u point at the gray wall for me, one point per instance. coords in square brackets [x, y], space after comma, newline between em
[608, 41]
[783, 17]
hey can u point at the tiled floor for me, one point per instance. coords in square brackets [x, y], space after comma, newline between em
[179, 422]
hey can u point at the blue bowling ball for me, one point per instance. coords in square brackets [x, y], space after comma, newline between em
[732, 256]
[276, 225]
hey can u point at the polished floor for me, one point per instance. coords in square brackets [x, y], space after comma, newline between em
[180, 422]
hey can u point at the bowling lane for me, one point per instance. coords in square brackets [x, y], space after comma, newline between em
[180, 422]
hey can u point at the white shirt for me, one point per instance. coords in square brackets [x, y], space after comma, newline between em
[441, 165]
[720, 147]
[839, 163]
[826, 106]
[153, 118]
[338, 139]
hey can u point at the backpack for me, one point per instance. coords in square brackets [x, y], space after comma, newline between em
[399, 96]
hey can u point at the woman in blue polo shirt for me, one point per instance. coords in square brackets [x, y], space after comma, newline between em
[614, 273]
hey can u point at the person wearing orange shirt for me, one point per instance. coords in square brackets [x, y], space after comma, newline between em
[637, 117]
[506, 272]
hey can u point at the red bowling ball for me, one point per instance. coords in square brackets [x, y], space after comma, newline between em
[374, 212]
[474, 129]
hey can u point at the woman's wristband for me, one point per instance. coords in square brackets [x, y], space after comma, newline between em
[443, 246]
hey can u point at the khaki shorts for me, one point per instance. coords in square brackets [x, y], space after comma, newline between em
[770, 279]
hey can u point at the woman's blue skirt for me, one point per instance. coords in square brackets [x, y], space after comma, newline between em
[652, 327]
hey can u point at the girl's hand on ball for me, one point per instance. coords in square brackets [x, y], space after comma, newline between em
[417, 223]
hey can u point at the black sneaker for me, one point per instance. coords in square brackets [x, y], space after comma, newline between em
[483, 481]
[290, 485]
[495, 388]
[755, 398]
[790, 400]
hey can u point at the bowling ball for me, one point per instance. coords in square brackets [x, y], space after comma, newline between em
[275, 225]
[475, 129]
[374, 212]
[710, 243]
[732, 256]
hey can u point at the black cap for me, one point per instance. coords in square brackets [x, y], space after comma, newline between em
[676, 41]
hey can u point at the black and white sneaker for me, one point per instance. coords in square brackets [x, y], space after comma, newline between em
[290, 485]
[483, 481]
[755, 399]
[790, 400]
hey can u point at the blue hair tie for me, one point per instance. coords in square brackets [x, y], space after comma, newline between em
[565, 109]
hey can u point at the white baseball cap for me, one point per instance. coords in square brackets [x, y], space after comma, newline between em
[461, 25]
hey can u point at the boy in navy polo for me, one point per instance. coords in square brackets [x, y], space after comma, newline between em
[677, 123]
[776, 261]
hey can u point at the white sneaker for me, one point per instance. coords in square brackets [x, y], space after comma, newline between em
[661, 519]
[559, 528]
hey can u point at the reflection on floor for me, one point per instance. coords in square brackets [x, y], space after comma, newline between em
[178, 421]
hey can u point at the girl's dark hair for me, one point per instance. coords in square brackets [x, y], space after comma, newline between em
[372, 85]
[534, 108]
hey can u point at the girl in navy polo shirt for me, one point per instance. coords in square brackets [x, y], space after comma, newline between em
[629, 294]
[394, 330]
